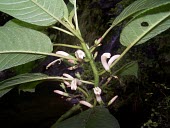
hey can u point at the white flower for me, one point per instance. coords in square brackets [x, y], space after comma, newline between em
[80, 54]
[73, 83]
[62, 53]
[67, 75]
[86, 103]
[104, 58]
[66, 54]
[97, 92]
[61, 93]
[112, 100]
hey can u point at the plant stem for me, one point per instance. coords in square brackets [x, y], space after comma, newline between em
[92, 63]
[63, 30]
[84, 92]
[107, 31]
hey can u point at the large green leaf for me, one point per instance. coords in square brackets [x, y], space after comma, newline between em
[19, 23]
[20, 45]
[137, 6]
[97, 117]
[20, 79]
[128, 69]
[38, 12]
[24, 79]
[146, 26]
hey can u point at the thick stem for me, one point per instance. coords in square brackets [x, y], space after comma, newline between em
[92, 64]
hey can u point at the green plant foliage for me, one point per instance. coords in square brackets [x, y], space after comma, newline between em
[20, 79]
[38, 12]
[146, 26]
[138, 6]
[97, 117]
[21, 45]
[19, 23]
[128, 69]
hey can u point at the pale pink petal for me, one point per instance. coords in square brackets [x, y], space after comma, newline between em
[62, 53]
[98, 98]
[112, 59]
[86, 103]
[67, 83]
[61, 93]
[74, 84]
[67, 76]
[104, 58]
[79, 54]
[97, 91]
[112, 100]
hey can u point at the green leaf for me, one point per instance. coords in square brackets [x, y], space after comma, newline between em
[19, 23]
[38, 12]
[65, 11]
[20, 79]
[146, 26]
[72, 1]
[128, 69]
[97, 117]
[137, 6]
[20, 45]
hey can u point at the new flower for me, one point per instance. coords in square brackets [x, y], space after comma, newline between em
[73, 83]
[86, 103]
[112, 100]
[97, 92]
[61, 93]
[66, 54]
[104, 58]
[80, 54]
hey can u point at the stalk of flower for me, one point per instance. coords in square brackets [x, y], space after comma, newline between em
[112, 100]
[106, 64]
[97, 92]
[53, 62]
[86, 103]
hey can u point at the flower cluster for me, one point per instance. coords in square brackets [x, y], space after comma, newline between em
[73, 83]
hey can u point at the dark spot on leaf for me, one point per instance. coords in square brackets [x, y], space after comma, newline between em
[145, 24]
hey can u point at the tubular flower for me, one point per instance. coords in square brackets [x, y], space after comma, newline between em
[86, 103]
[80, 54]
[66, 54]
[97, 92]
[61, 93]
[62, 53]
[73, 83]
[112, 100]
[104, 58]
